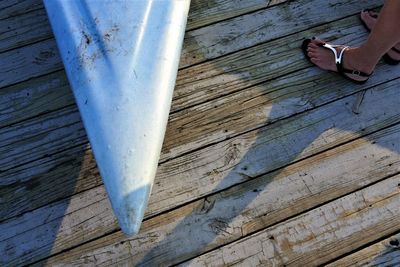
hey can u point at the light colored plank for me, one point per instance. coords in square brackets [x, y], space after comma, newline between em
[227, 163]
[381, 254]
[205, 43]
[11, 8]
[319, 235]
[24, 29]
[254, 205]
[208, 12]
[248, 30]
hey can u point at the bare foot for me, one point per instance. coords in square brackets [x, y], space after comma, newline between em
[325, 59]
[369, 18]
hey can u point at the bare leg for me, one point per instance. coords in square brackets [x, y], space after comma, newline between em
[370, 18]
[384, 35]
[386, 32]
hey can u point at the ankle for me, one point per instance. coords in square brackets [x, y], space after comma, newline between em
[358, 59]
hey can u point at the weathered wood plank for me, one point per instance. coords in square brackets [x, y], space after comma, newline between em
[27, 141]
[24, 29]
[254, 205]
[11, 8]
[248, 30]
[381, 254]
[28, 62]
[234, 161]
[207, 12]
[319, 235]
[205, 43]
[34, 98]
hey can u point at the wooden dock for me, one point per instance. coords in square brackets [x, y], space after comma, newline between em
[267, 160]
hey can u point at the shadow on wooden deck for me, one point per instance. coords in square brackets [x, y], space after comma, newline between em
[206, 230]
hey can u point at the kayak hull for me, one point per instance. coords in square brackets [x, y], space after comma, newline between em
[121, 58]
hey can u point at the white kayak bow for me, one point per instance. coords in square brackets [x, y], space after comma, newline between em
[121, 58]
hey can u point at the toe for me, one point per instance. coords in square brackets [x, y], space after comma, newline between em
[312, 46]
[373, 14]
[314, 60]
[367, 19]
[316, 42]
[363, 15]
[312, 49]
[312, 54]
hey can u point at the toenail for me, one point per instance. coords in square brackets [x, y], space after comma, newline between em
[313, 38]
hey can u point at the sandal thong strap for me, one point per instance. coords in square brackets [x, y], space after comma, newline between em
[339, 60]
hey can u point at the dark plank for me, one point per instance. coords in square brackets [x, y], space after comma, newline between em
[11, 8]
[24, 29]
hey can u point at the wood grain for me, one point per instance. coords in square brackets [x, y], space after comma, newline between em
[28, 62]
[12, 8]
[34, 98]
[208, 12]
[24, 29]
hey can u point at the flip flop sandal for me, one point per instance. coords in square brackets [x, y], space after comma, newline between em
[388, 59]
[338, 60]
